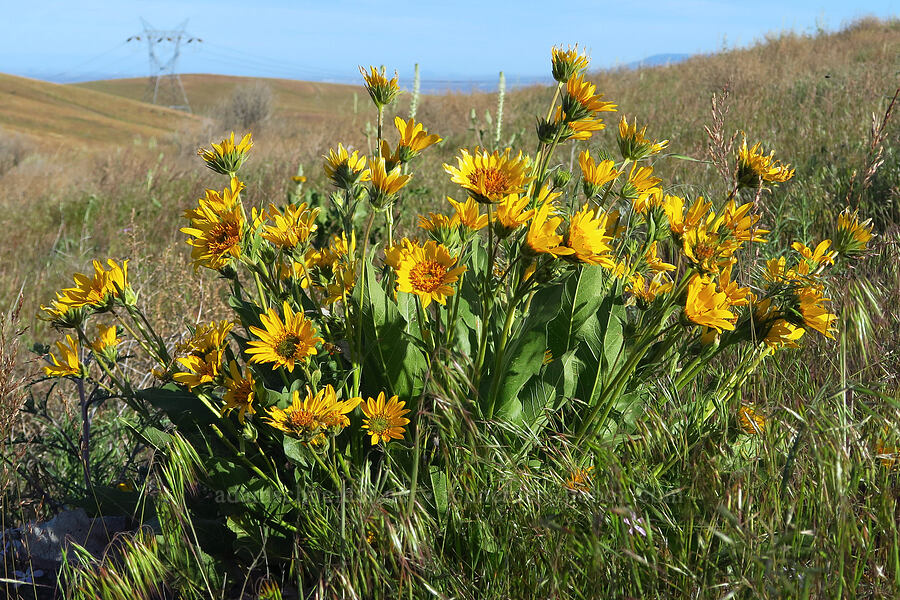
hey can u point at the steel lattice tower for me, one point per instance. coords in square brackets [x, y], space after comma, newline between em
[164, 46]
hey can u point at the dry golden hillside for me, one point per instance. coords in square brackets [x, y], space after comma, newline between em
[50, 114]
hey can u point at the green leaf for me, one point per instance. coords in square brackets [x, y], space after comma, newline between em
[439, 489]
[295, 451]
[524, 356]
[183, 408]
[581, 298]
[392, 360]
[602, 347]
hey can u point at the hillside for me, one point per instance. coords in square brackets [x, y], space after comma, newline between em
[305, 100]
[51, 114]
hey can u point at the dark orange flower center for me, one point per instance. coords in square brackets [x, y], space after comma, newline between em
[223, 237]
[301, 419]
[490, 181]
[427, 276]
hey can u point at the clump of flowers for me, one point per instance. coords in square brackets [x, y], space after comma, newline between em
[540, 300]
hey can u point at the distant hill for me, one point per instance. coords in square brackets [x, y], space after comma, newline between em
[293, 99]
[658, 60]
[51, 114]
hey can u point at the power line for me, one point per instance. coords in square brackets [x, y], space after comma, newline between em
[164, 47]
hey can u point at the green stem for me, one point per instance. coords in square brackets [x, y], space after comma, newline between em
[500, 355]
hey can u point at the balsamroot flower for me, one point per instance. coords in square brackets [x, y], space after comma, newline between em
[852, 237]
[67, 364]
[381, 90]
[751, 421]
[490, 177]
[384, 420]
[593, 175]
[239, 391]
[567, 63]
[706, 306]
[633, 143]
[283, 342]
[428, 271]
[226, 157]
[754, 168]
[542, 237]
[310, 419]
[413, 139]
[291, 226]
[346, 170]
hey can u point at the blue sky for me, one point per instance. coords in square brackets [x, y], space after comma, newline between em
[451, 39]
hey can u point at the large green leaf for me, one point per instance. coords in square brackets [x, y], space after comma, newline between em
[602, 347]
[183, 408]
[581, 298]
[523, 358]
[392, 359]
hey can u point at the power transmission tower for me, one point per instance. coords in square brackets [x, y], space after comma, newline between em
[164, 46]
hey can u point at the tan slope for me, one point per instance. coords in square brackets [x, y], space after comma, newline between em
[300, 99]
[53, 114]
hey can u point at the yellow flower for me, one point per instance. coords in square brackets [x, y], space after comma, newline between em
[654, 262]
[395, 254]
[588, 239]
[226, 157]
[68, 363]
[567, 63]
[283, 342]
[737, 296]
[581, 100]
[346, 170]
[106, 339]
[579, 480]
[217, 228]
[752, 423]
[679, 222]
[437, 222]
[782, 334]
[413, 138]
[490, 177]
[777, 271]
[381, 90]
[102, 289]
[542, 237]
[511, 214]
[886, 455]
[428, 272]
[595, 176]
[290, 227]
[206, 338]
[202, 368]
[469, 214]
[386, 184]
[852, 237]
[640, 182]
[706, 306]
[579, 129]
[740, 224]
[385, 420]
[240, 393]
[809, 302]
[63, 313]
[343, 280]
[755, 168]
[309, 419]
[812, 260]
[648, 292]
[706, 249]
[633, 144]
